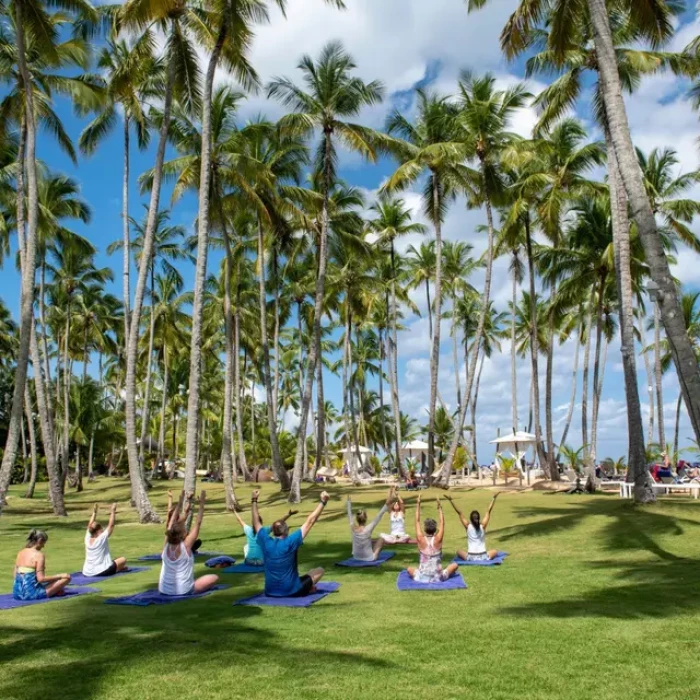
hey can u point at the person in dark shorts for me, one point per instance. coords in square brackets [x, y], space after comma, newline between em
[98, 560]
[279, 548]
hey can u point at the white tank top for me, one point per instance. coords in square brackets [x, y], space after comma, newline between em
[476, 541]
[177, 576]
[398, 524]
[97, 556]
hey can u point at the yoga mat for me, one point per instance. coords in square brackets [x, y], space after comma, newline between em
[323, 589]
[155, 597]
[358, 564]
[243, 569]
[77, 579]
[216, 562]
[7, 602]
[157, 557]
[405, 583]
[398, 544]
[496, 561]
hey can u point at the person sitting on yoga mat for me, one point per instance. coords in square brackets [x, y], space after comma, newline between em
[279, 549]
[476, 534]
[31, 583]
[361, 532]
[187, 513]
[430, 550]
[251, 550]
[177, 571]
[98, 560]
[398, 523]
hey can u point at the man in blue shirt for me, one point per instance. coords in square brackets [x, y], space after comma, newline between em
[280, 548]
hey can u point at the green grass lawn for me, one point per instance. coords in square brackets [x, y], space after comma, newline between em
[598, 599]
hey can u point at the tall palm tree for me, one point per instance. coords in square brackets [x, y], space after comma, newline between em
[332, 94]
[392, 221]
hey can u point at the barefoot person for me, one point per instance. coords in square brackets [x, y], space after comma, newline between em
[98, 560]
[280, 548]
[476, 534]
[31, 583]
[251, 550]
[361, 532]
[429, 538]
[398, 523]
[177, 571]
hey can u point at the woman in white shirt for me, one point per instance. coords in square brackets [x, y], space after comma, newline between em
[476, 534]
[177, 572]
[98, 560]
[398, 533]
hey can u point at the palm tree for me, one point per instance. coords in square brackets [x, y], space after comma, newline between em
[332, 94]
[421, 263]
[429, 145]
[133, 75]
[483, 121]
[392, 221]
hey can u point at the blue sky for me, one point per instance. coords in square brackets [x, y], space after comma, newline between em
[407, 43]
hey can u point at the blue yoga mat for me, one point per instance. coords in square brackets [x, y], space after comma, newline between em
[155, 597]
[322, 590]
[7, 602]
[358, 564]
[157, 557]
[496, 561]
[216, 562]
[243, 569]
[77, 579]
[405, 583]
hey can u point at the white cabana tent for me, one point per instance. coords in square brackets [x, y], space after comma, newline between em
[517, 444]
[415, 449]
[351, 460]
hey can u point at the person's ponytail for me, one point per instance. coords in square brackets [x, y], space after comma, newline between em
[36, 536]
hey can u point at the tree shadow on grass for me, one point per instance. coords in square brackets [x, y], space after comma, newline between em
[98, 642]
[648, 590]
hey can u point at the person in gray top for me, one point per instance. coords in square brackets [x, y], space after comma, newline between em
[362, 548]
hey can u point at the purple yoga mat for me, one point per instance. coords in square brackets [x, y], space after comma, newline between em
[243, 569]
[7, 602]
[217, 562]
[405, 583]
[359, 564]
[157, 557]
[322, 590]
[77, 579]
[496, 561]
[155, 597]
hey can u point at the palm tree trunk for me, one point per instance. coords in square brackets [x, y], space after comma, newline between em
[474, 402]
[650, 383]
[138, 485]
[163, 405]
[637, 469]
[591, 451]
[322, 256]
[382, 357]
[237, 388]
[552, 468]
[276, 331]
[631, 177]
[584, 390]
[67, 376]
[393, 358]
[658, 378]
[29, 493]
[320, 419]
[430, 308]
[277, 465]
[227, 432]
[486, 299]
[28, 261]
[126, 242]
[193, 407]
[435, 350]
[534, 349]
[572, 403]
[676, 432]
[455, 352]
[146, 411]
[513, 355]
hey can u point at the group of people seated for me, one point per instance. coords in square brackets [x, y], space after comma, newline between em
[274, 548]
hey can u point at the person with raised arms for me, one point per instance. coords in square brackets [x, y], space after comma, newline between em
[98, 560]
[476, 533]
[398, 533]
[361, 532]
[279, 548]
[31, 583]
[177, 571]
[430, 536]
[252, 553]
[186, 511]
